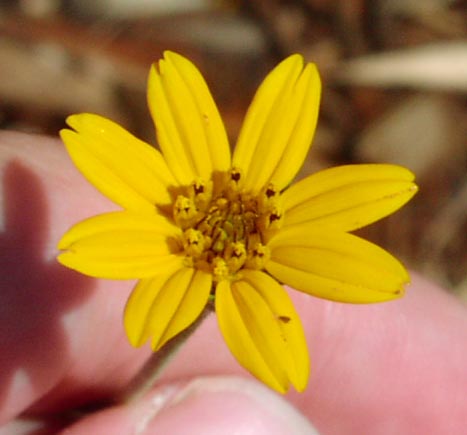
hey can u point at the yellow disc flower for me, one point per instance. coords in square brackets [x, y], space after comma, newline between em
[200, 225]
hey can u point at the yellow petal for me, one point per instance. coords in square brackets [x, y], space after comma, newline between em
[349, 197]
[289, 323]
[162, 307]
[304, 104]
[253, 332]
[138, 306]
[121, 245]
[215, 136]
[340, 267]
[274, 85]
[125, 169]
[279, 125]
[236, 325]
[189, 128]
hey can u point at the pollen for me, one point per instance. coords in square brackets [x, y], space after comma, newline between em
[225, 229]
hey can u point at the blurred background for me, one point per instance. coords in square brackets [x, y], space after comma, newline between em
[394, 74]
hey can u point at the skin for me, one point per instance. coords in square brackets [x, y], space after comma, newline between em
[397, 367]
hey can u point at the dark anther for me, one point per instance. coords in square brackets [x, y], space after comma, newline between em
[274, 217]
[199, 189]
[284, 319]
[270, 192]
[235, 176]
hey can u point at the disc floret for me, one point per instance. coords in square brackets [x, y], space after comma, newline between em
[225, 228]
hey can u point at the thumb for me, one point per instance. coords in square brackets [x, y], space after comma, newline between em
[205, 405]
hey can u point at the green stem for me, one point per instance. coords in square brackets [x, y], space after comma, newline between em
[145, 379]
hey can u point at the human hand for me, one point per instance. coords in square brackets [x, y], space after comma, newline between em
[398, 367]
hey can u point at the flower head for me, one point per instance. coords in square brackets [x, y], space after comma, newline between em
[199, 224]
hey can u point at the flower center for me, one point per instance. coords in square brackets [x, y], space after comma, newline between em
[224, 228]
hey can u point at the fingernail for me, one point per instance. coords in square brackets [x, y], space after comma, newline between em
[227, 404]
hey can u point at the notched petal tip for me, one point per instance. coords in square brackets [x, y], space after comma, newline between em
[62, 256]
[71, 119]
[66, 134]
[172, 55]
[68, 259]
[77, 120]
[63, 244]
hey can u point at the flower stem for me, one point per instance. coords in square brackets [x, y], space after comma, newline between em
[145, 379]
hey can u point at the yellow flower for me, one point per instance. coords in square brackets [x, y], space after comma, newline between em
[200, 225]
